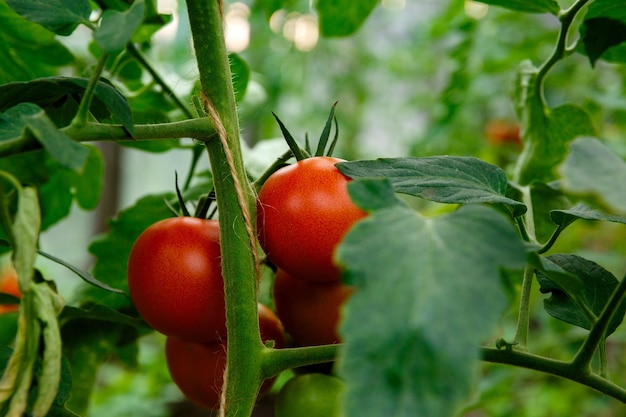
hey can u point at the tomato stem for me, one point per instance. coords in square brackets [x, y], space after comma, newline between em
[554, 367]
[85, 103]
[278, 360]
[236, 206]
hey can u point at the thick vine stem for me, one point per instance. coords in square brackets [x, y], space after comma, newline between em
[236, 204]
[278, 360]
[567, 18]
[562, 369]
[200, 129]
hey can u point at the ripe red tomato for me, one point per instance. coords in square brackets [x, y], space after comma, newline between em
[175, 279]
[8, 285]
[198, 368]
[310, 311]
[304, 211]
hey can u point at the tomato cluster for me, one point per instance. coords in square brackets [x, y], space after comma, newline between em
[304, 211]
[175, 282]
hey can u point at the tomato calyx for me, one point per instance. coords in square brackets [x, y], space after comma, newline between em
[300, 153]
[205, 207]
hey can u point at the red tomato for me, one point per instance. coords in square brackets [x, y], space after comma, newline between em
[8, 285]
[310, 311]
[304, 211]
[198, 368]
[499, 132]
[175, 279]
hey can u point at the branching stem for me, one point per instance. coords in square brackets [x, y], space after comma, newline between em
[562, 369]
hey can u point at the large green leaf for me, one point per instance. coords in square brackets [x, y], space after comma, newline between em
[528, 6]
[59, 186]
[58, 16]
[566, 217]
[604, 28]
[87, 343]
[117, 28]
[594, 171]
[342, 17]
[445, 179]
[598, 286]
[442, 276]
[48, 92]
[39, 52]
[63, 149]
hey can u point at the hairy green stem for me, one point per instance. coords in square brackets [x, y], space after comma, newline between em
[554, 367]
[200, 129]
[236, 203]
[278, 360]
[82, 114]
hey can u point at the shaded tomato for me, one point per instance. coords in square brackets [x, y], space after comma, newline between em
[8, 285]
[500, 132]
[175, 279]
[304, 210]
[198, 368]
[310, 311]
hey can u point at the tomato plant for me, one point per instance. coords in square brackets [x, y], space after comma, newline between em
[304, 212]
[198, 368]
[310, 311]
[175, 278]
[423, 248]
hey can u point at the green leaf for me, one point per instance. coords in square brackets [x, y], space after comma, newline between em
[528, 6]
[547, 137]
[444, 179]
[566, 280]
[581, 211]
[241, 75]
[112, 249]
[373, 194]
[545, 199]
[8, 330]
[58, 16]
[85, 276]
[101, 313]
[39, 52]
[48, 92]
[68, 153]
[604, 27]
[598, 286]
[595, 172]
[63, 186]
[86, 345]
[342, 17]
[116, 28]
[443, 277]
